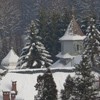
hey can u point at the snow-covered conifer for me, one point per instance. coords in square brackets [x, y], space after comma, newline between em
[49, 86]
[34, 54]
[92, 44]
[68, 88]
[84, 82]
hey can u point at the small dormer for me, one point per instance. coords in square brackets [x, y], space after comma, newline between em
[72, 40]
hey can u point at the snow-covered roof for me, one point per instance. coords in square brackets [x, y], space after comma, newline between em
[26, 83]
[69, 37]
[70, 65]
[67, 55]
[73, 32]
[2, 71]
[10, 60]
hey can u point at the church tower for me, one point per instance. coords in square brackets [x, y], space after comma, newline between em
[71, 43]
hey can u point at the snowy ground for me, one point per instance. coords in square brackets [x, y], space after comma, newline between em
[26, 83]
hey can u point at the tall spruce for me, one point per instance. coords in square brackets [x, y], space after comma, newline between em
[84, 82]
[34, 54]
[53, 45]
[48, 87]
[39, 88]
[68, 88]
[92, 44]
[42, 23]
[51, 27]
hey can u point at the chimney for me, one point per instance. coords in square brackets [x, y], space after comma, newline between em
[6, 95]
[14, 86]
[13, 95]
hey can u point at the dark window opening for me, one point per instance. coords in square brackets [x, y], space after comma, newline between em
[78, 48]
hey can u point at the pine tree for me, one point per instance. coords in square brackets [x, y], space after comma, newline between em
[53, 35]
[49, 27]
[84, 81]
[49, 88]
[68, 88]
[42, 25]
[49, 91]
[39, 88]
[92, 44]
[34, 54]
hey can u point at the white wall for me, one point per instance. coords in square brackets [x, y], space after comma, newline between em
[70, 47]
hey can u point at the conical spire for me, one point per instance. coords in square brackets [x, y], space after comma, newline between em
[10, 61]
[75, 27]
[73, 31]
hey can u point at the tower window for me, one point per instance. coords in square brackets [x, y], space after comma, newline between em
[78, 47]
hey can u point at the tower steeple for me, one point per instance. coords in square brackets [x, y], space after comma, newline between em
[71, 44]
[71, 41]
[73, 31]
